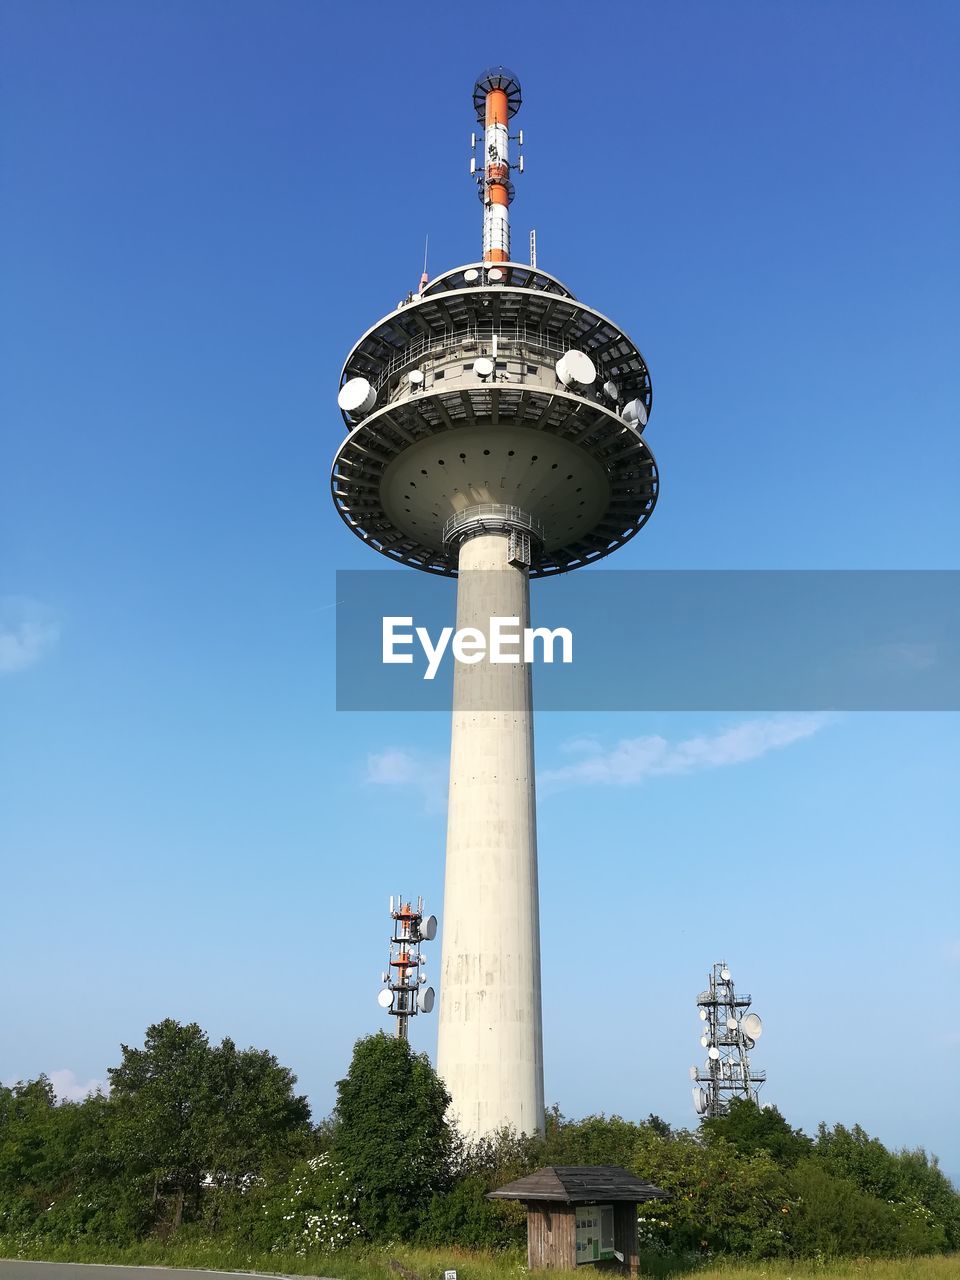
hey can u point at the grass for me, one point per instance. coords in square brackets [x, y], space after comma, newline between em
[398, 1262]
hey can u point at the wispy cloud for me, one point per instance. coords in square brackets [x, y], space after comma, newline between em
[633, 760]
[423, 774]
[69, 1089]
[28, 631]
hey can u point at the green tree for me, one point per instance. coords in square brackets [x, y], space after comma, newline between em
[751, 1128]
[832, 1216]
[185, 1114]
[391, 1135]
[910, 1179]
[720, 1201]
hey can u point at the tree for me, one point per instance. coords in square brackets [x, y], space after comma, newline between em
[391, 1134]
[907, 1178]
[184, 1112]
[751, 1128]
[720, 1200]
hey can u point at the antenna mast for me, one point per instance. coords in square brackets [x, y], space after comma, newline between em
[496, 99]
[729, 1033]
[403, 994]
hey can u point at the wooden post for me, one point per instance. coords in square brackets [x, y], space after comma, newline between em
[625, 1236]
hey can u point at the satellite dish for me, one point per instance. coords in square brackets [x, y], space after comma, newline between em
[576, 369]
[748, 1043]
[752, 1026]
[725, 974]
[636, 414]
[713, 1053]
[699, 1100]
[611, 391]
[704, 1042]
[425, 999]
[703, 1015]
[385, 998]
[415, 377]
[357, 397]
[694, 1073]
[494, 274]
[483, 367]
[428, 928]
[731, 1024]
[472, 275]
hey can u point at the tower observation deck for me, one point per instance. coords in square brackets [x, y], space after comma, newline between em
[494, 433]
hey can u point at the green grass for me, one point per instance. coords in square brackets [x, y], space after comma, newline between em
[398, 1262]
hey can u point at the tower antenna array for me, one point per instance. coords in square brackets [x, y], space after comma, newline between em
[404, 993]
[729, 1034]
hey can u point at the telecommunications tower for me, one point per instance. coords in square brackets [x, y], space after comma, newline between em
[404, 993]
[729, 1033]
[494, 434]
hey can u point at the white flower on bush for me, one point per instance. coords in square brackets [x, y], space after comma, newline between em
[314, 1209]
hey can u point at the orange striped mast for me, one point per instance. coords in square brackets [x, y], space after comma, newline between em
[496, 99]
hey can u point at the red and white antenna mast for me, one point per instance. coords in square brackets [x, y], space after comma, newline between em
[496, 99]
[403, 994]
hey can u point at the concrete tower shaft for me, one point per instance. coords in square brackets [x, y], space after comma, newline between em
[490, 1046]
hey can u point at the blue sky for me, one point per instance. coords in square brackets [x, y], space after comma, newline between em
[204, 205]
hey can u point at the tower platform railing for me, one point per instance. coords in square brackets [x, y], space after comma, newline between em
[512, 340]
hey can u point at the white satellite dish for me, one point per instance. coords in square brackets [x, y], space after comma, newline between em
[731, 1024]
[483, 367]
[494, 274]
[713, 1053]
[611, 391]
[415, 377]
[425, 999]
[576, 369]
[357, 397]
[752, 1026]
[699, 1100]
[636, 414]
[704, 1042]
[725, 974]
[428, 928]
[385, 998]
[748, 1043]
[703, 1015]
[472, 275]
[694, 1073]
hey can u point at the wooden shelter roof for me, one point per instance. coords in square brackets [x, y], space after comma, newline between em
[580, 1184]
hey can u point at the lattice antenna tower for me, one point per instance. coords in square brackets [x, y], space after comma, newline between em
[729, 1035]
[405, 993]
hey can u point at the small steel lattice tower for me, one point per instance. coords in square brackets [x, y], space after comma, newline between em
[404, 994]
[729, 1034]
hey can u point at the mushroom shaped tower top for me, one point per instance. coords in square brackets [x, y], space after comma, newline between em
[494, 391]
[496, 78]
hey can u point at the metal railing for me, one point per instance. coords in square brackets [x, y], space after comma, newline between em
[492, 517]
[477, 340]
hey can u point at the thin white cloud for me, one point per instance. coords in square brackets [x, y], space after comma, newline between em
[633, 760]
[28, 632]
[69, 1089]
[423, 774]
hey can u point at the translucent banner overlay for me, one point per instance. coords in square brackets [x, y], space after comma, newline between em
[690, 640]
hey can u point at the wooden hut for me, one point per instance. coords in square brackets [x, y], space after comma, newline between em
[580, 1213]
